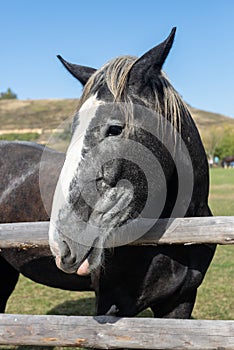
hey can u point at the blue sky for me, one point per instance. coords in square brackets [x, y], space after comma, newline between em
[200, 65]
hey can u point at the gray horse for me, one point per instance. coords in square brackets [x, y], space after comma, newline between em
[135, 156]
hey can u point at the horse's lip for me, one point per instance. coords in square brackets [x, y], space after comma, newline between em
[83, 268]
[86, 256]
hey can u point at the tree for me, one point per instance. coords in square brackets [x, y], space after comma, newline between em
[212, 137]
[8, 95]
[226, 146]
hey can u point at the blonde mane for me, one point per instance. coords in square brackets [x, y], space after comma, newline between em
[114, 75]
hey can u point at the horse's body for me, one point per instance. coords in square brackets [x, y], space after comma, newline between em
[20, 201]
[227, 161]
[135, 153]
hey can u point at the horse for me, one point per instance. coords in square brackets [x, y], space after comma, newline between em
[135, 156]
[26, 190]
[226, 162]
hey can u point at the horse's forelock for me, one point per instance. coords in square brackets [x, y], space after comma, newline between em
[113, 74]
[164, 100]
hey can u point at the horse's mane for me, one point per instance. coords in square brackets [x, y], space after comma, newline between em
[114, 74]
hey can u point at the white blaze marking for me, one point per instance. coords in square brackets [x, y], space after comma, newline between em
[72, 161]
[73, 156]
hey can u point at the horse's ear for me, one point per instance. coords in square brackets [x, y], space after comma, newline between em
[82, 73]
[152, 61]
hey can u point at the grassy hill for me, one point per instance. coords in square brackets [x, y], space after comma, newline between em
[206, 119]
[47, 115]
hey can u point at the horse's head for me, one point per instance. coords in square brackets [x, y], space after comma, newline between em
[120, 165]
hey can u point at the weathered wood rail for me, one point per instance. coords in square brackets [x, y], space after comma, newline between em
[216, 229]
[106, 332]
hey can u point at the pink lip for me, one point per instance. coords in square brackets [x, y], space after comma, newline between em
[83, 270]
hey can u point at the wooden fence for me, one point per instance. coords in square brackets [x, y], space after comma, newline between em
[110, 332]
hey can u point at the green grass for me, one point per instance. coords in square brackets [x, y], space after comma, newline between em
[215, 297]
[221, 198]
[28, 136]
[46, 300]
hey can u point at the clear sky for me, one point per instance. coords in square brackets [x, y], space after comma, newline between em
[200, 65]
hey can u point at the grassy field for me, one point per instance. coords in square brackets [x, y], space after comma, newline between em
[222, 191]
[215, 297]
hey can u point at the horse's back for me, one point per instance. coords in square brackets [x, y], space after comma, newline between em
[16, 158]
[24, 176]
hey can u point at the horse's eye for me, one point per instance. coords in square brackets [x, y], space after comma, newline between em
[114, 130]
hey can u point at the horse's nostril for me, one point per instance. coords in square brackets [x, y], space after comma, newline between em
[65, 250]
[67, 258]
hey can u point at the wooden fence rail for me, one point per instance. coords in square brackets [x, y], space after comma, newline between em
[106, 332]
[216, 229]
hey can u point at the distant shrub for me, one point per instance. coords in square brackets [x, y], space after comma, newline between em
[28, 136]
[8, 95]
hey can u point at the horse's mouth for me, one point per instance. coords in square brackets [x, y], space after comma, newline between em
[74, 266]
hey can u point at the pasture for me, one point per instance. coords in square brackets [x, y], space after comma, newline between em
[215, 296]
